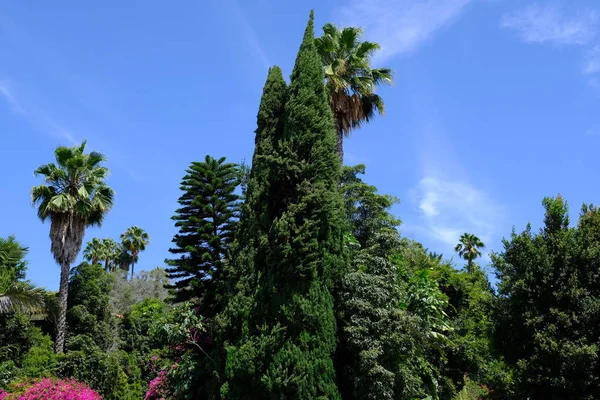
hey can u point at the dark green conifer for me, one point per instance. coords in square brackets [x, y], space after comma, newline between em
[206, 220]
[292, 334]
[254, 221]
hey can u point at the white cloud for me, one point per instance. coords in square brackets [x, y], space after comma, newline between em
[552, 24]
[401, 26]
[10, 98]
[451, 207]
[591, 64]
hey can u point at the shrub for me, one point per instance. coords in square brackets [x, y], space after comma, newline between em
[158, 387]
[472, 391]
[8, 372]
[40, 360]
[17, 336]
[114, 375]
[50, 389]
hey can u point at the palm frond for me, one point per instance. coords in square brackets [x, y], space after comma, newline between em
[350, 80]
[22, 297]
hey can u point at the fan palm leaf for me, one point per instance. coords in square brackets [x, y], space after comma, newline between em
[22, 297]
[350, 81]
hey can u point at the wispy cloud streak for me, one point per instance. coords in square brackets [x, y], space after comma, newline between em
[10, 98]
[591, 64]
[36, 117]
[401, 26]
[552, 24]
[248, 32]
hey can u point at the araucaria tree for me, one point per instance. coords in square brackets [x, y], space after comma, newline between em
[468, 248]
[206, 220]
[74, 197]
[292, 330]
[134, 240]
[350, 80]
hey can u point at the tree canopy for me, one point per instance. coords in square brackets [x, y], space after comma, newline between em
[292, 277]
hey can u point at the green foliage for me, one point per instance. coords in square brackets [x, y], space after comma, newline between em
[206, 221]
[350, 80]
[292, 325]
[74, 197]
[189, 358]
[468, 248]
[125, 294]
[8, 373]
[470, 311]
[17, 336]
[89, 311]
[378, 356]
[471, 391]
[105, 251]
[313, 293]
[114, 375]
[75, 190]
[367, 212]
[547, 311]
[40, 360]
[425, 300]
[12, 260]
[134, 240]
[137, 324]
[16, 295]
[251, 241]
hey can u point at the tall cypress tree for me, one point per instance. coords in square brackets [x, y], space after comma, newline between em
[206, 220]
[254, 221]
[292, 335]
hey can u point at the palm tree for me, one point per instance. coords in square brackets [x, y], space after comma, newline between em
[73, 198]
[95, 251]
[111, 254]
[134, 240]
[349, 79]
[15, 295]
[21, 296]
[123, 259]
[468, 248]
[104, 251]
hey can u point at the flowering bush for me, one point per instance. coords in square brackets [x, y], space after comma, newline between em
[157, 389]
[51, 389]
[187, 358]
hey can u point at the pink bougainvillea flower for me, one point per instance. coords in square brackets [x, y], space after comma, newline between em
[157, 389]
[53, 389]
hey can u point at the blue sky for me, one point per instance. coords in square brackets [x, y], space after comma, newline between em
[495, 105]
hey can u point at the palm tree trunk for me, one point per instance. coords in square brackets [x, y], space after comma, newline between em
[61, 327]
[339, 146]
[132, 267]
[106, 265]
[470, 265]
